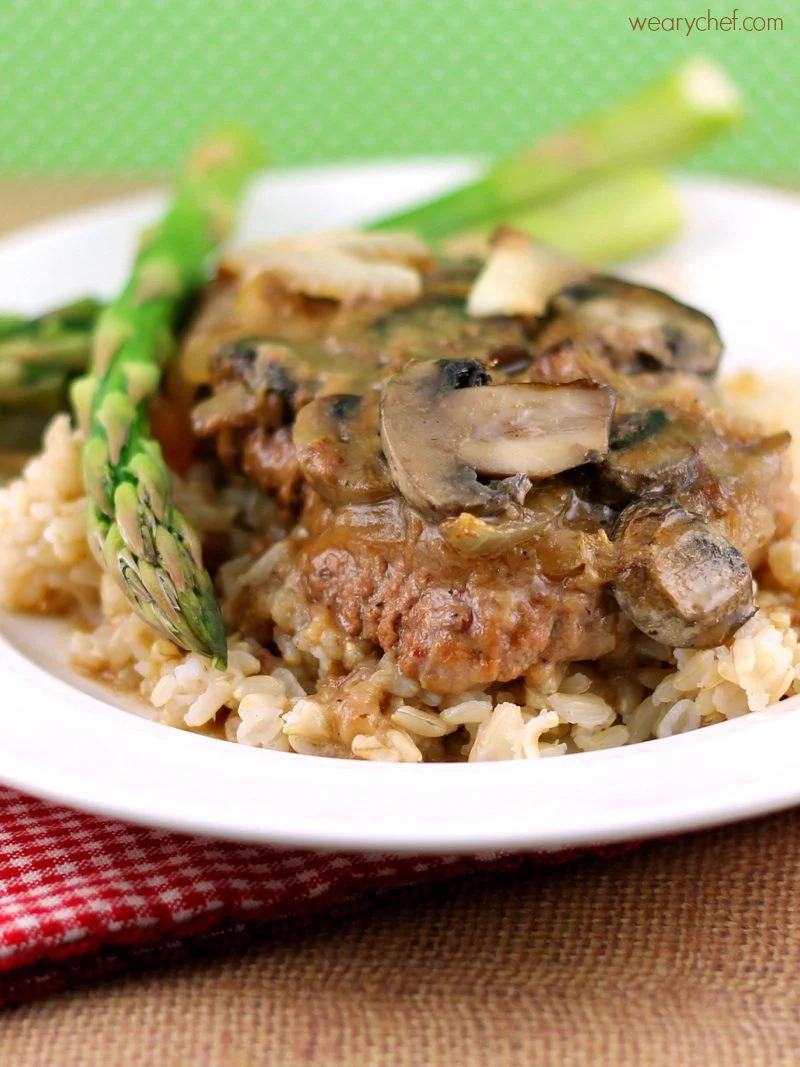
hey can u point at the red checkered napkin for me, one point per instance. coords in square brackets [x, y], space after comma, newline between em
[82, 896]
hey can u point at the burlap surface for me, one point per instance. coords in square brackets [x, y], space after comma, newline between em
[683, 952]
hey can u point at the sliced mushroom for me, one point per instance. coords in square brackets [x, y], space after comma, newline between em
[638, 426]
[679, 581]
[443, 424]
[641, 328]
[530, 428]
[338, 447]
[651, 451]
[394, 246]
[510, 361]
[233, 407]
[337, 276]
[255, 383]
[520, 276]
[265, 381]
[421, 449]
[338, 266]
[654, 451]
[259, 363]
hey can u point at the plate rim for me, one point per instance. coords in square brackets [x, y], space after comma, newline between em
[731, 741]
[19, 674]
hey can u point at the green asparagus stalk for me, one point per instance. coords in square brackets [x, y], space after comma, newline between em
[10, 323]
[76, 319]
[135, 532]
[612, 219]
[38, 355]
[69, 350]
[668, 118]
[46, 393]
[59, 338]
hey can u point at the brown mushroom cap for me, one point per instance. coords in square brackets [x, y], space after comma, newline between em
[656, 451]
[254, 380]
[641, 328]
[443, 425]
[338, 447]
[679, 581]
[652, 451]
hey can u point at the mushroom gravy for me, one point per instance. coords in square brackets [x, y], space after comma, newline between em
[483, 494]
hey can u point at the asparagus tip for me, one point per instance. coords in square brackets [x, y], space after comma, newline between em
[226, 144]
[709, 88]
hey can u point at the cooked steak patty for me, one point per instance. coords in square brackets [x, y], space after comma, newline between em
[481, 496]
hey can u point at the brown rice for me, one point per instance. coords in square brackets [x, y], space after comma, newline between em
[279, 703]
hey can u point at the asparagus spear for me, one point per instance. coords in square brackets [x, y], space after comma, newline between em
[69, 350]
[615, 217]
[68, 322]
[38, 355]
[135, 533]
[666, 119]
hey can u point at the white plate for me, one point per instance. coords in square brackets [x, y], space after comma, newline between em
[69, 740]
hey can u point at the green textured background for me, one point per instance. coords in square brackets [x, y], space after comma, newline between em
[121, 86]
